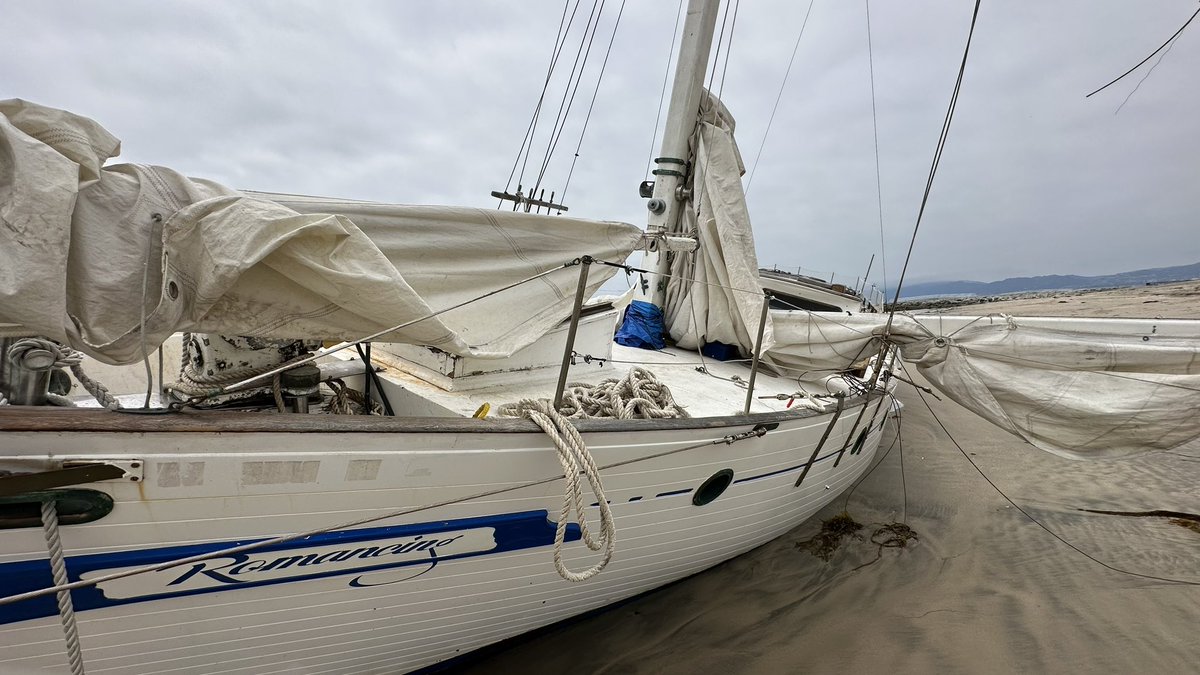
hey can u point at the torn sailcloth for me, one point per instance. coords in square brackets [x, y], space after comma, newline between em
[90, 254]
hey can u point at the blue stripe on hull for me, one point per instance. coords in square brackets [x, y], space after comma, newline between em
[505, 532]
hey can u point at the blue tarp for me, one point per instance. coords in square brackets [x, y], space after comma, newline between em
[720, 351]
[642, 328]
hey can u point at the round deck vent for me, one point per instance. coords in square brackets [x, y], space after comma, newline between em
[713, 487]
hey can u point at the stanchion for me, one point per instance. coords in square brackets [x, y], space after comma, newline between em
[585, 264]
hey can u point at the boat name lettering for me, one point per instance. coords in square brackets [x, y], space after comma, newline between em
[242, 564]
[301, 562]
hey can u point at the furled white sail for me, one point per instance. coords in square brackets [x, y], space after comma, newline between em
[90, 255]
[714, 296]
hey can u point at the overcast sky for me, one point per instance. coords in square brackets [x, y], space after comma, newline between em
[423, 102]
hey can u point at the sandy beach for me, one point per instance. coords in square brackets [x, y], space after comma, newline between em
[1163, 301]
[985, 588]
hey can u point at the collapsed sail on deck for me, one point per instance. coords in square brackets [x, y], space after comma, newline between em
[90, 253]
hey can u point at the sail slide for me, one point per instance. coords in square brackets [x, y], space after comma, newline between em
[89, 254]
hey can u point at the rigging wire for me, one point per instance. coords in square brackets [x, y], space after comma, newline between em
[1147, 75]
[725, 69]
[875, 130]
[778, 97]
[529, 149]
[592, 105]
[663, 96]
[1140, 63]
[701, 169]
[559, 41]
[862, 479]
[937, 158]
[564, 107]
[1035, 521]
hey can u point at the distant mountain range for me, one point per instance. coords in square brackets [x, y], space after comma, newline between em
[1052, 282]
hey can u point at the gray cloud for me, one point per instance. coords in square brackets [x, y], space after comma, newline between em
[427, 103]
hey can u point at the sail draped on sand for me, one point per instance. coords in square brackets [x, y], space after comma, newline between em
[1074, 392]
[1071, 392]
[86, 250]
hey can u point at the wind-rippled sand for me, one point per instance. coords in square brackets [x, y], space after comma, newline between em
[984, 590]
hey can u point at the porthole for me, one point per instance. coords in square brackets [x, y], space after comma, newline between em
[713, 487]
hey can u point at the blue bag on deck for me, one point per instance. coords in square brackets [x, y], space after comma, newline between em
[642, 328]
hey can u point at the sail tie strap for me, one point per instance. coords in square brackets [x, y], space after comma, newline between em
[58, 566]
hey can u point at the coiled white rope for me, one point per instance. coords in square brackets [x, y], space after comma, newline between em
[62, 357]
[638, 395]
[574, 457]
[58, 567]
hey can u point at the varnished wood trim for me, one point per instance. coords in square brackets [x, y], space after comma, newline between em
[29, 418]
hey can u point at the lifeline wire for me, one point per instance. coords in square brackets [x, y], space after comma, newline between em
[757, 292]
[1035, 521]
[406, 324]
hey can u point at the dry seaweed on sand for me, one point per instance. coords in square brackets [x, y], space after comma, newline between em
[891, 535]
[1190, 521]
[829, 539]
[824, 543]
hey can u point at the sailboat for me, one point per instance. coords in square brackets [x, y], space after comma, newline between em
[232, 528]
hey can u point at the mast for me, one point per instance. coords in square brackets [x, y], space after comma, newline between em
[666, 206]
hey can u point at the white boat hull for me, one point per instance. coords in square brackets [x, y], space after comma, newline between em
[326, 604]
